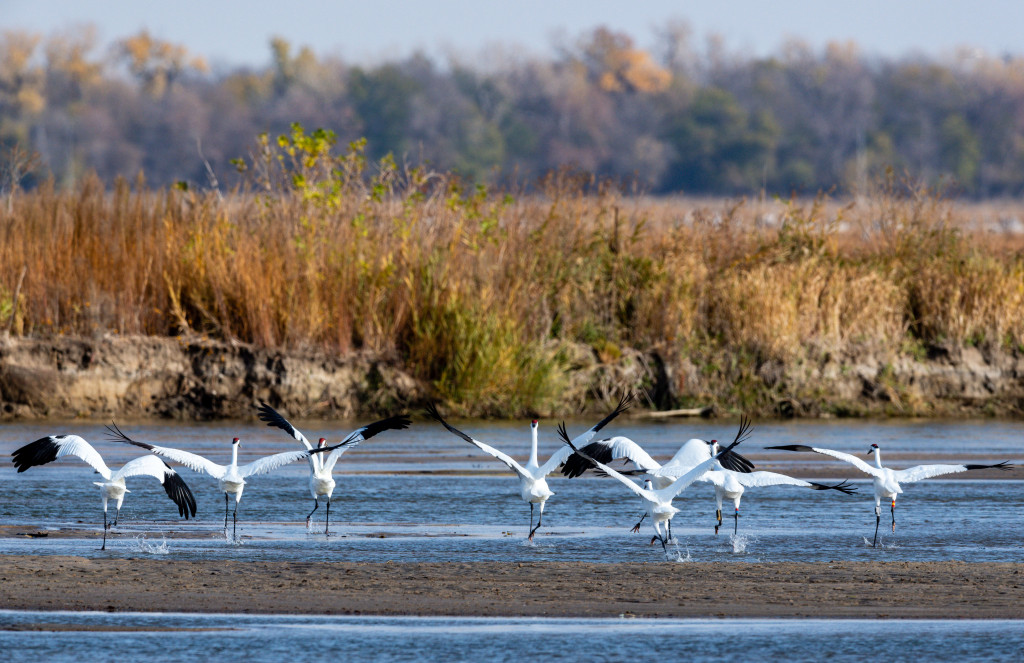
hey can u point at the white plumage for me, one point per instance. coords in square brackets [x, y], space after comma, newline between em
[887, 481]
[321, 469]
[113, 487]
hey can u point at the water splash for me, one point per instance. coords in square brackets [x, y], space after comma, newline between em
[678, 556]
[739, 543]
[232, 540]
[881, 544]
[142, 545]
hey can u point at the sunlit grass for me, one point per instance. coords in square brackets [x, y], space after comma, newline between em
[480, 294]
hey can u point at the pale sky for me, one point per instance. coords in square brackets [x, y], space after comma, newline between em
[232, 33]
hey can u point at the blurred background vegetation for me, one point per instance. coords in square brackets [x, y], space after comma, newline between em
[671, 119]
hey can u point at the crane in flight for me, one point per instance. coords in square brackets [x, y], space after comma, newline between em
[887, 481]
[231, 477]
[533, 485]
[52, 447]
[321, 468]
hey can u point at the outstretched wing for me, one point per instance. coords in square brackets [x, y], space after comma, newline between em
[693, 452]
[397, 422]
[190, 460]
[640, 491]
[680, 484]
[731, 460]
[486, 448]
[919, 472]
[606, 451]
[273, 418]
[270, 463]
[52, 447]
[852, 460]
[173, 484]
[667, 493]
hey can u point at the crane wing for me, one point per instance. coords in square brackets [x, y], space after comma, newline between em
[398, 422]
[639, 490]
[853, 460]
[486, 448]
[556, 459]
[606, 451]
[274, 419]
[270, 463]
[173, 484]
[192, 461]
[693, 452]
[52, 447]
[679, 485]
[919, 472]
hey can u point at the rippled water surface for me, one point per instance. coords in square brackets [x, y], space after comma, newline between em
[174, 637]
[425, 495]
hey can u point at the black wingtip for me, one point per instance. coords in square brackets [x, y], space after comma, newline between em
[273, 418]
[625, 401]
[180, 494]
[843, 487]
[565, 436]
[792, 447]
[40, 452]
[1005, 465]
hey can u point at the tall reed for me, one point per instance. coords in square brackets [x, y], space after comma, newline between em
[482, 294]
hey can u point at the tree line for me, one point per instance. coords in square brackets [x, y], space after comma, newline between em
[675, 118]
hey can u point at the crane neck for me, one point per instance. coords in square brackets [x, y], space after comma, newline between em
[234, 455]
[533, 447]
[878, 457]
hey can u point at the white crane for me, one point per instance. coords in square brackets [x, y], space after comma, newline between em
[52, 447]
[887, 481]
[657, 503]
[533, 485]
[321, 469]
[230, 477]
[729, 481]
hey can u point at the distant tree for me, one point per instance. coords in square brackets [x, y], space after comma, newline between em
[157, 64]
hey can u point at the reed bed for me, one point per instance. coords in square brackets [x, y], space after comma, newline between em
[484, 295]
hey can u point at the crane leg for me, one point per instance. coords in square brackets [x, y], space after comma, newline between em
[234, 525]
[316, 505]
[894, 516]
[670, 530]
[878, 519]
[736, 522]
[104, 546]
[117, 513]
[718, 516]
[540, 518]
[327, 523]
[225, 513]
[636, 528]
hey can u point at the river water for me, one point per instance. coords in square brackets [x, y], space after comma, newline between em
[425, 495]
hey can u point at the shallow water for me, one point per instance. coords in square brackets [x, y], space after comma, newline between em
[424, 495]
[280, 638]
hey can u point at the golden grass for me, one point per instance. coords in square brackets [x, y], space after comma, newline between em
[478, 293]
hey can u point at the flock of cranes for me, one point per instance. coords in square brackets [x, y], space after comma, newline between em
[697, 460]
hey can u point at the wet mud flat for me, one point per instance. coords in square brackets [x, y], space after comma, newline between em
[947, 590]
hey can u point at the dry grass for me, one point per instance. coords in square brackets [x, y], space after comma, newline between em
[478, 293]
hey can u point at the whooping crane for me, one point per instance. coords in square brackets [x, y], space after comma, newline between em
[321, 469]
[657, 503]
[533, 485]
[689, 455]
[230, 477]
[52, 447]
[887, 481]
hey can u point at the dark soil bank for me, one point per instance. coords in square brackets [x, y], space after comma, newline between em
[201, 379]
[938, 590]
